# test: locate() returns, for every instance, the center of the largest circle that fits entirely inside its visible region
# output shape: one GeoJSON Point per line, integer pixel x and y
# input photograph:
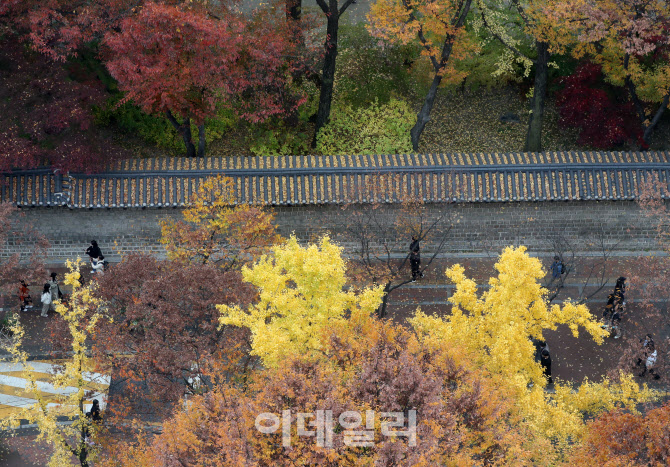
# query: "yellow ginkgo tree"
{"type": "Point", "coordinates": [301, 294]}
{"type": "Point", "coordinates": [72, 387]}
{"type": "Point", "coordinates": [217, 229]}
{"type": "Point", "coordinates": [492, 332]}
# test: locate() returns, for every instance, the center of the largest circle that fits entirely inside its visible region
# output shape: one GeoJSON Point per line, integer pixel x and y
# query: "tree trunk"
{"type": "Point", "coordinates": [657, 118]}
{"type": "Point", "coordinates": [639, 107]}
{"type": "Point", "coordinates": [201, 140]}
{"type": "Point", "coordinates": [423, 116]}
{"type": "Point", "coordinates": [534, 136]}
{"type": "Point", "coordinates": [184, 130]}
{"type": "Point", "coordinates": [83, 448]}
{"type": "Point", "coordinates": [328, 75]}
{"type": "Point", "coordinates": [381, 311]}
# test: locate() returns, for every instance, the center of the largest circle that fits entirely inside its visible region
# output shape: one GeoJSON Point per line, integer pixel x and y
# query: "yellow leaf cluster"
{"type": "Point", "coordinates": [492, 332]}
{"type": "Point", "coordinates": [300, 295]}
{"type": "Point", "coordinates": [432, 24]}
{"type": "Point", "coordinates": [81, 314]}
{"type": "Point", "coordinates": [216, 229]}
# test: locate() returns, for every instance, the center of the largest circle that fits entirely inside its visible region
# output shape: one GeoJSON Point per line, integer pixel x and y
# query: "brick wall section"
{"type": "Point", "coordinates": [494, 225]}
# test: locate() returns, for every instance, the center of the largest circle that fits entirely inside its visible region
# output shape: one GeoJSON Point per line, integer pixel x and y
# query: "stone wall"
{"type": "Point", "coordinates": [476, 226]}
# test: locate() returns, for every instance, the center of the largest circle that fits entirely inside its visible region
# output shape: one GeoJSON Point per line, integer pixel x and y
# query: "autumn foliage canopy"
{"type": "Point", "coordinates": [596, 110]}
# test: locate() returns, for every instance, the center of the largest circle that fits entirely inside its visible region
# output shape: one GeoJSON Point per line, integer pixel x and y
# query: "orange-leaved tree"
{"type": "Point", "coordinates": [618, 438]}
{"type": "Point", "coordinates": [369, 373]}
{"type": "Point", "coordinates": [630, 39]}
{"type": "Point", "coordinates": [439, 29]}
{"type": "Point", "coordinates": [218, 230]}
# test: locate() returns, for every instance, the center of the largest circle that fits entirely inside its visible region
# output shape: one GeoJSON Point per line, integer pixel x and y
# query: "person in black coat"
{"type": "Point", "coordinates": [94, 416]}
{"type": "Point", "coordinates": [94, 253]}
{"type": "Point", "coordinates": [620, 292]}
{"type": "Point", "coordinates": [415, 258]}
{"type": "Point", "coordinates": [94, 413]}
{"type": "Point", "coordinates": [540, 345]}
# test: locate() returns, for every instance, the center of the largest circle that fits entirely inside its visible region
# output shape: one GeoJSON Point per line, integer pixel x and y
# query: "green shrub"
{"type": "Point", "coordinates": [157, 131]}
{"type": "Point", "coordinates": [370, 70]}
{"type": "Point", "coordinates": [279, 140]}
{"type": "Point", "coordinates": [376, 129]}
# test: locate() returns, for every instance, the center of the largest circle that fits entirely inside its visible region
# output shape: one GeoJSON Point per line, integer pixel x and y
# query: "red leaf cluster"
{"type": "Point", "coordinates": [58, 28]}
{"type": "Point", "coordinates": [45, 115]}
{"type": "Point", "coordinates": [603, 121]}
{"type": "Point", "coordinates": [170, 58]}
{"type": "Point", "coordinates": [162, 328]}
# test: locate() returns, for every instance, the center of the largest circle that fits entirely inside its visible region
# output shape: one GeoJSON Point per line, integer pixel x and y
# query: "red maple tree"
{"type": "Point", "coordinates": [161, 339]}
{"type": "Point", "coordinates": [184, 62]}
{"type": "Point", "coordinates": [46, 115]}
{"type": "Point", "coordinates": [587, 104]}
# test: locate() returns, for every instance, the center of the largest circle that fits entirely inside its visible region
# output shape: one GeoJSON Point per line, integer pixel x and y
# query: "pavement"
{"type": "Point", "coordinates": [573, 358]}
{"type": "Point", "coordinates": [14, 397]}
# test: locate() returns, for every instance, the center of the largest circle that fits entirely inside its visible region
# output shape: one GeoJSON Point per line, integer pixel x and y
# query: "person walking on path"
{"type": "Point", "coordinates": [615, 323]}
{"type": "Point", "coordinates": [620, 292]}
{"type": "Point", "coordinates": [54, 288]}
{"type": "Point", "coordinates": [616, 302]}
{"type": "Point", "coordinates": [94, 416]}
{"type": "Point", "coordinates": [546, 365]}
{"type": "Point", "coordinates": [25, 299]}
{"type": "Point", "coordinates": [415, 258]}
{"type": "Point", "coordinates": [650, 356]}
{"type": "Point", "coordinates": [94, 253]}
{"type": "Point", "coordinates": [540, 346]}
{"type": "Point", "coordinates": [557, 268]}
{"type": "Point", "coordinates": [98, 265]}
{"type": "Point", "coordinates": [46, 300]}
{"type": "Point", "coordinates": [609, 308]}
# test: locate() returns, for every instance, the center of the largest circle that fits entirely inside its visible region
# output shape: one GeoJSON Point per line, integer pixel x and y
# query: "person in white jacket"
{"type": "Point", "coordinates": [650, 356]}
{"type": "Point", "coordinates": [46, 300]}
{"type": "Point", "coordinates": [98, 265]}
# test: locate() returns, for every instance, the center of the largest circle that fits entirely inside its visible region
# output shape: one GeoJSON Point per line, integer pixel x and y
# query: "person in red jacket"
{"type": "Point", "coordinates": [25, 299]}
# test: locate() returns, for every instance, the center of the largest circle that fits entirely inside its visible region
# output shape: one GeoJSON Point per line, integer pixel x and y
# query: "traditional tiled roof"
{"type": "Point", "coordinates": [305, 180]}
{"type": "Point", "coordinates": [385, 161]}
